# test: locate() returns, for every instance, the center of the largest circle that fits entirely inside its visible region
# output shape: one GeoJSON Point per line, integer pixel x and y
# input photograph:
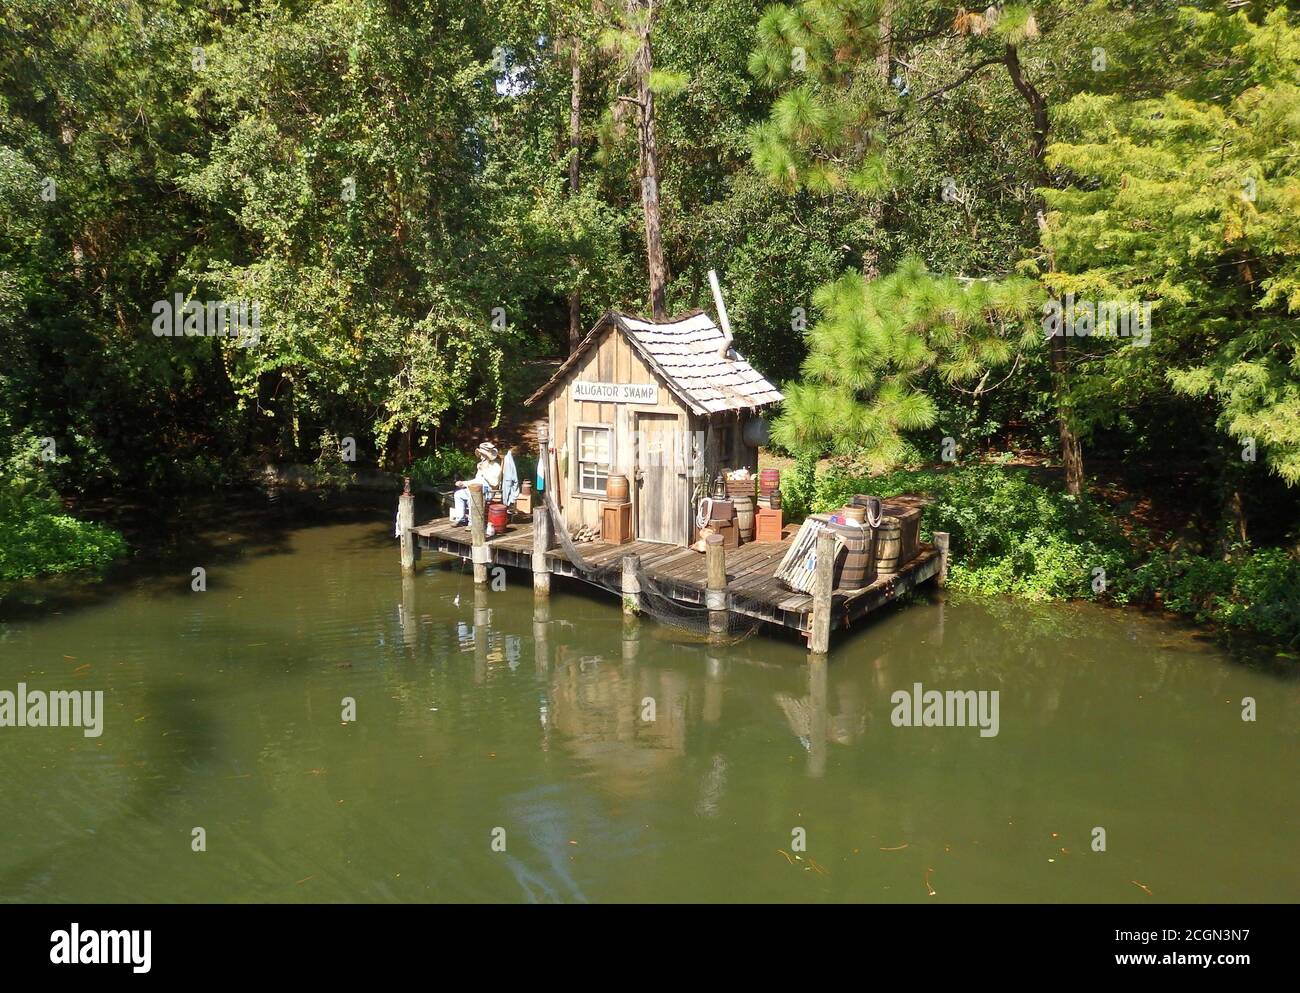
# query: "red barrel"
{"type": "Point", "coordinates": [498, 516]}
{"type": "Point", "coordinates": [768, 480]}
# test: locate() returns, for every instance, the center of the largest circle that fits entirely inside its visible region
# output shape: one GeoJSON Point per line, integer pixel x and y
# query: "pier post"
{"type": "Point", "coordinates": [410, 619]}
{"type": "Point", "coordinates": [631, 638]}
{"type": "Point", "coordinates": [478, 534]}
{"type": "Point", "coordinates": [818, 715]}
{"type": "Point", "coordinates": [542, 522]}
{"type": "Point", "coordinates": [819, 638]}
{"type": "Point", "coordinates": [714, 669]}
{"type": "Point", "coordinates": [631, 585]}
{"type": "Point", "coordinates": [482, 631]}
{"type": "Point", "coordinates": [715, 593]}
{"type": "Point", "coordinates": [941, 543]}
{"type": "Point", "coordinates": [541, 631]}
{"type": "Point", "coordinates": [405, 522]}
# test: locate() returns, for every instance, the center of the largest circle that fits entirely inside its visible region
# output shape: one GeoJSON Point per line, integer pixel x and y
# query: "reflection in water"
{"type": "Point", "coordinates": [624, 764]}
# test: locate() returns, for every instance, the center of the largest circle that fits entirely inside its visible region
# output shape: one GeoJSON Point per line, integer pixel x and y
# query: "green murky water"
{"type": "Point", "coordinates": [223, 710]}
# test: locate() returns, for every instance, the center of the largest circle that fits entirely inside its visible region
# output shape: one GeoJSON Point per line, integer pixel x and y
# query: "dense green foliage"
{"type": "Point", "coordinates": [1013, 536]}
{"type": "Point", "coordinates": [38, 538]}
{"type": "Point", "coordinates": [1010, 534]}
{"type": "Point", "coordinates": [894, 192]}
{"type": "Point", "coordinates": [443, 466]}
{"type": "Point", "coordinates": [1257, 592]}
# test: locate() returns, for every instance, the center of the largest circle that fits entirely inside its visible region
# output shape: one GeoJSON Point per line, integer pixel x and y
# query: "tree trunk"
{"type": "Point", "coordinates": [575, 152]}
{"type": "Point", "coordinates": [657, 267]}
{"type": "Point", "coordinates": [885, 66]}
{"type": "Point", "coordinates": [1058, 350]}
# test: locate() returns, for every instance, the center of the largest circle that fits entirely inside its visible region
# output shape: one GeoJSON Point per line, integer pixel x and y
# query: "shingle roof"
{"type": "Point", "coordinates": [685, 352]}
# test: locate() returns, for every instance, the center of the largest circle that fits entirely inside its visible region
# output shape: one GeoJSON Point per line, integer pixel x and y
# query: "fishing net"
{"type": "Point", "coordinates": [728, 627]}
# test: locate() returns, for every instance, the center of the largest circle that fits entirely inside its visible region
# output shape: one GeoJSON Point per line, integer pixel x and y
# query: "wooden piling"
{"type": "Point", "coordinates": [715, 592]}
{"type": "Point", "coordinates": [482, 629]}
{"type": "Point", "coordinates": [542, 524]}
{"type": "Point", "coordinates": [819, 638]}
{"type": "Point", "coordinates": [819, 718]}
{"type": "Point", "coordinates": [410, 619]}
{"type": "Point", "coordinates": [941, 544]}
{"type": "Point", "coordinates": [479, 551]}
{"type": "Point", "coordinates": [631, 585]}
{"type": "Point", "coordinates": [631, 638]}
{"type": "Point", "coordinates": [541, 630]}
{"type": "Point", "coordinates": [405, 522]}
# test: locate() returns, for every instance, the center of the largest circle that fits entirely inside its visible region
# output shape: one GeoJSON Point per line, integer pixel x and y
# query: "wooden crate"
{"type": "Point", "coordinates": [768, 525]}
{"type": "Point", "coordinates": [728, 529]}
{"type": "Point", "coordinates": [616, 523]}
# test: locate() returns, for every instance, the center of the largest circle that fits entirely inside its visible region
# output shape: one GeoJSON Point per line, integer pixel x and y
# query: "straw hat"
{"type": "Point", "coordinates": [487, 450]}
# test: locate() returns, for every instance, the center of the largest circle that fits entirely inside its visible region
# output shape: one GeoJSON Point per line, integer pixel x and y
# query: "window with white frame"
{"type": "Point", "coordinates": [593, 458]}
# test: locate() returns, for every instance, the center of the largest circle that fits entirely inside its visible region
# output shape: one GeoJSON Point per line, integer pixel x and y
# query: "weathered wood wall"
{"type": "Point", "coordinates": [612, 361]}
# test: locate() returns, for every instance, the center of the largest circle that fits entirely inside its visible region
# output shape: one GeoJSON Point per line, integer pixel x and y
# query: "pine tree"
{"type": "Point", "coordinates": [878, 338]}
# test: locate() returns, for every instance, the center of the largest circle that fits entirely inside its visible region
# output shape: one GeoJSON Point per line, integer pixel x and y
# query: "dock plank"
{"type": "Point", "coordinates": [679, 572]}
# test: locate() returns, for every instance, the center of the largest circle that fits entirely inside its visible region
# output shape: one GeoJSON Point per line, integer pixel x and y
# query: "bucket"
{"type": "Point", "coordinates": [744, 517]}
{"type": "Point", "coordinates": [855, 514]}
{"type": "Point", "coordinates": [498, 516]}
{"type": "Point", "coordinates": [768, 480]}
{"type": "Point", "coordinates": [616, 488]}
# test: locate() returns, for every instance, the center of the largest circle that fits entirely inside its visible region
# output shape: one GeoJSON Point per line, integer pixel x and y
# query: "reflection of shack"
{"type": "Point", "coordinates": [598, 708]}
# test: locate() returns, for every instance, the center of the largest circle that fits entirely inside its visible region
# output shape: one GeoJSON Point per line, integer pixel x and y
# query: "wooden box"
{"type": "Point", "coordinates": [767, 525]}
{"type": "Point", "coordinates": [728, 529]}
{"type": "Point", "coordinates": [616, 523]}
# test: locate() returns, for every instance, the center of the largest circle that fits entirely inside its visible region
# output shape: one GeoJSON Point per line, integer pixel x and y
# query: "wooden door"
{"type": "Point", "coordinates": [658, 514]}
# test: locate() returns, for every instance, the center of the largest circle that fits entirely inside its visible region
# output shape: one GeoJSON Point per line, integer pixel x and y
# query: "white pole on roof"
{"type": "Point", "coordinates": [722, 312]}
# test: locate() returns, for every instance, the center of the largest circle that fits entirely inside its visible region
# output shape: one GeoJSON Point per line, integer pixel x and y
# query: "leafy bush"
{"type": "Point", "coordinates": [443, 466]}
{"type": "Point", "coordinates": [1257, 590]}
{"type": "Point", "coordinates": [799, 488]}
{"type": "Point", "coordinates": [38, 538]}
{"type": "Point", "coordinates": [1012, 536]}
{"type": "Point", "coordinates": [1009, 535]}
{"type": "Point", "coordinates": [329, 469]}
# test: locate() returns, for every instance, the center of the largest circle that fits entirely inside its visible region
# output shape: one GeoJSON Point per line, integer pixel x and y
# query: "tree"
{"type": "Point", "coordinates": [878, 337]}
{"type": "Point", "coordinates": [628, 40]}
{"type": "Point", "coordinates": [1186, 199]}
{"type": "Point", "coordinates": [833, 122]}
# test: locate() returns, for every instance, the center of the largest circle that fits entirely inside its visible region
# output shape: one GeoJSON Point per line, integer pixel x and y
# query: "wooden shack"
{"type": "Point", "coordinates": [665, 403]}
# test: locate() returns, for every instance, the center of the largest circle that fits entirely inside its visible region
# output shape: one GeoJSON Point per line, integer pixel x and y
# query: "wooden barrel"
{"type": "Point", "coordinates": [616, 488]}
{"type": "Point", "coordinates": [859, 566]}
{"type": "Point", "coordinates": [768, 480]}
{"type": "Point", "coordinates": [498, 516]}
{"type": "Point", "coordinates": [909, 521]}
{"type": "Point", "coordinates": [889, 545]}
{"type": "Point", "coordinates": [744, 516]}
{"type": "Point", "coordinates": [852, 513]}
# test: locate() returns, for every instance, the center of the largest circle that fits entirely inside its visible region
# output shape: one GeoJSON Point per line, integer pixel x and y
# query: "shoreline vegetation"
{"type": "Point", "coordinates": [945, 234]}
{"type": "Point", "coordinates": [1011, 536]}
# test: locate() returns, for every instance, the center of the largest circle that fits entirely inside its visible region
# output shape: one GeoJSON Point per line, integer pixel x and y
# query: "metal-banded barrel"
{"type": "Point", "coordinates": [744, 517]}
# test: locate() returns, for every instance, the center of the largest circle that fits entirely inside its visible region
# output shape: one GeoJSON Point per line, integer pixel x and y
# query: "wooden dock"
{"type": "Point", "coordinates": [681, 574]}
